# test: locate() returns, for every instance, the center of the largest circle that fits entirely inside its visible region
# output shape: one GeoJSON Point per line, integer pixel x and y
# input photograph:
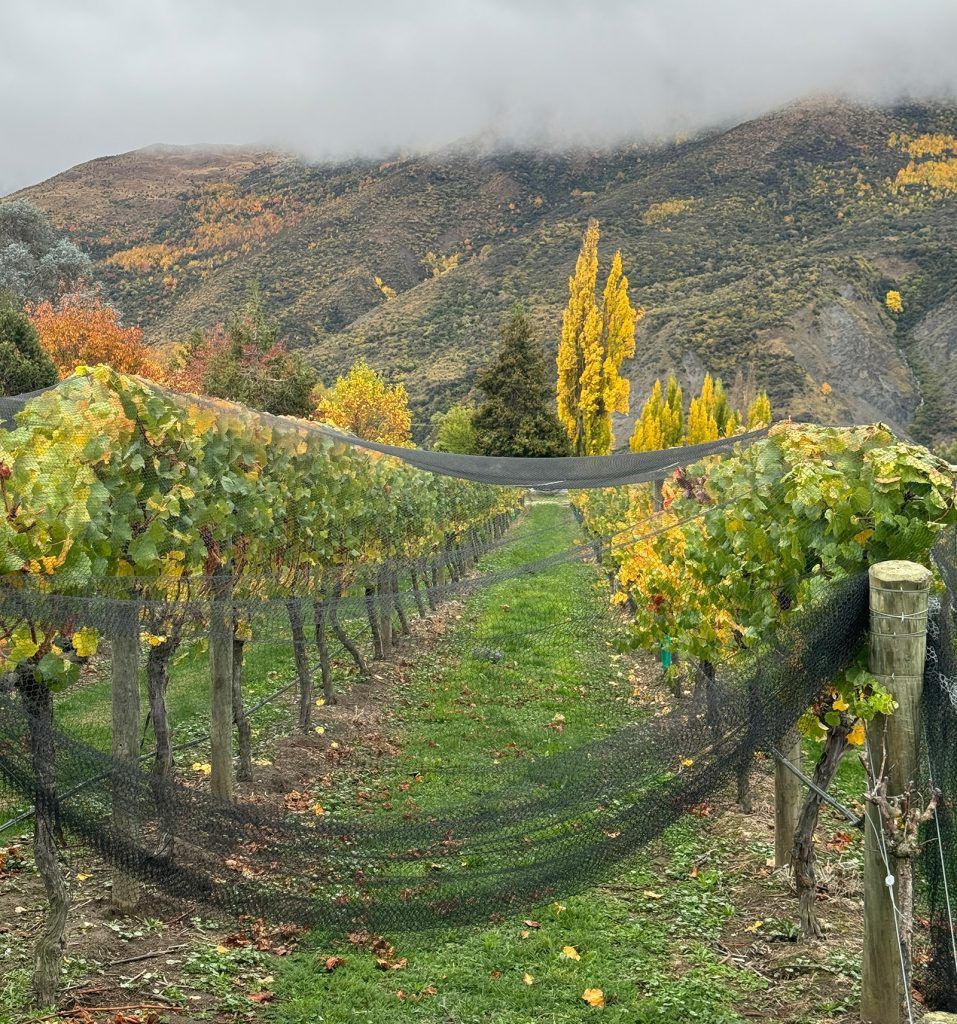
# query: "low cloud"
{"type": "Point", "coordinates": [332, 79]}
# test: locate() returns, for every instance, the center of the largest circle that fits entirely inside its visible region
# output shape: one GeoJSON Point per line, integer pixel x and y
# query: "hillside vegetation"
{"type": "Point", "coordinates": [762, 253]}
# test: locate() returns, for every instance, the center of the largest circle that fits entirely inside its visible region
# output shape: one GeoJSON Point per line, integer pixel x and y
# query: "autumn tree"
{"type": "Point", "coordinates": [35, 262]}
{"type": "Point", "coordinates": [363, 404]}
{"type": "Point", "coordinates": [710, 416]}
{"type": "Point", "coordinates": [515, 418]}
{"type": "Point", "coordinates": [661, 423]}
{"type": "Point", "coordinates": [246, 361]}
{"type": "Point", "coordinates": [702, 414]}
{"type": "Point", "coordinates": [82, 330]}
{"type": "Point", "coordinates": [759, 412]}
{"type": "Point", "coordinates": [595, 340]}
{"type": "Point", "coordinates": [455, 430]}
{"type": "Point", "coordinates": [24, 366]}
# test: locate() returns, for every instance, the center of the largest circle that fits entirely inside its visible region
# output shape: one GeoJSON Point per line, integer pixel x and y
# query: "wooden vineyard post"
{"type": "Point", "coordinates": [126, 743]}
{"type": "Point", "coordinates": [787, 799]}
{"type": "Point", "coordinates": [898, 602]}
{"type": "Point", "coordinates": [221, 691]}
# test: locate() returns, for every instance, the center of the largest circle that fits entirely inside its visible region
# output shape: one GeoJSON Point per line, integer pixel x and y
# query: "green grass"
{"type": "Point", "coordinates": [85, 710]}
{"type": "Point", "coordinates": [642, 938]}
{"type": "Point", "coordinates": [645, 938]}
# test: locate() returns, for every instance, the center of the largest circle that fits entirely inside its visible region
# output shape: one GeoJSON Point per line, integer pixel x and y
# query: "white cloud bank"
{"type": "Point", "coordinates": [79, 80]}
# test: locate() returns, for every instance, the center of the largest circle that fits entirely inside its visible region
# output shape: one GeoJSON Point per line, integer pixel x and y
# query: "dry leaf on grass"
{"type": "Point", "coordinates": [594, 997]}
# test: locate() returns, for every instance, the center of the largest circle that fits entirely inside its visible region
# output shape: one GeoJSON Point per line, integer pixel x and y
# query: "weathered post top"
{"type": "Point", "coordinates": [899, 592]}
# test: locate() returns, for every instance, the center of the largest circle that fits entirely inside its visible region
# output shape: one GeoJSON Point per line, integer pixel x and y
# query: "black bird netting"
{"type": "Point", "coordinates": [159, 546]}
{"type": "Point", "coordinates": [520, 835]}
{"type": "Point", "coordinates": [939, 840]}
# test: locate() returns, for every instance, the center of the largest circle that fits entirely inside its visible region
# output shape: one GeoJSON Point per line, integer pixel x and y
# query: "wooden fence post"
{"type": "Point", "coordinates": [898, 601]}
{"type": "Point", "coordinates": [221, 690]}
{"type": "Point", "coordinates": [787, 799]}
{"type": "Point", "coordinates": [125, 650]}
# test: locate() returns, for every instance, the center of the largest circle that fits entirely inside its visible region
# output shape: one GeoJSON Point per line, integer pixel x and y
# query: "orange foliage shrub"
{"type": "Point", "coordinates": [83, 330]}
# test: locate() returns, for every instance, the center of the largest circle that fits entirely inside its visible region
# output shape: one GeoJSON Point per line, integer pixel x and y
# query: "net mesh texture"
{"type": "Point", "coordinates": [288, 556]}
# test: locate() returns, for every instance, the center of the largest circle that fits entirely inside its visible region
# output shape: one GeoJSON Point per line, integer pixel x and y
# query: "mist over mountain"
{"type": "Point", "coordinates": [333, 80]}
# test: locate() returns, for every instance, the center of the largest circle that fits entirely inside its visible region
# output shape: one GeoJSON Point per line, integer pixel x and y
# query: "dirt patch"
{"type": "Point", "coordinates": [155, 967]}
{"type": "Point", "coordinates": [798, 981]}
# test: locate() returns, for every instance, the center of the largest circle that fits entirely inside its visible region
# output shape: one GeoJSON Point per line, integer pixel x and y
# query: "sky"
{"type": "Point", "coordinates": [336, 78]}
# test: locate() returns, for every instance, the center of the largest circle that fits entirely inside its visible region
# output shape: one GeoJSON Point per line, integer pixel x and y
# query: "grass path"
{"type": "Point", "coordinates": [642, 939]}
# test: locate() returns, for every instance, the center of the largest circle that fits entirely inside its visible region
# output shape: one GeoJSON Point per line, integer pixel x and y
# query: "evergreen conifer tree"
{"type": "Point", "coordinates": [515, 418]}
{"type": "Point", "coordinates": [24, 366]}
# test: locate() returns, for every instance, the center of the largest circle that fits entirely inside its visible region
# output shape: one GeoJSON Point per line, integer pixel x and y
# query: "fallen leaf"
{"type": "Point", "coordinates": [391, 965]}
{"type": "Point", "coordinates": [222, 949]}
{"type": "Point", "coordinates": [754, 927]}
{"type": "Point", "coordinates": [524, 934]}
{"type": "Point", "coordinates": [332, 962]}
{"type": "Point", "coordinates": [535, 924]}
{"type": "Point", "coordinates": [594, 997]}
{"type": "Point", "coordinates": [527, 979]}
{"type": "Point", "coordinates": [82, 877]}
{"type": "Point", "coordinates": [839, 842]}
{"type": "Point", "coordinates": [650, 894]}
{"type": "Point", "coordinates": [570, 953]}
{"type": "Point", "coordinates": [261, 997]}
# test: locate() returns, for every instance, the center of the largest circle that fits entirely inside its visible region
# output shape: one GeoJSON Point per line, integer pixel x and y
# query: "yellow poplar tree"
{"type": "Point", "coordinates": [702, 424]}
{"type": "Point", "coordinates": [721, 410]}
{"type": "Point", "coordinates": [595, 340]}
{"type": "Point", "coordinates": [578, 326]}
{"type": "Point", "coordinates": [759, 412]}
{"type": "Point", "coordinates": [619, 319]}
{"type": "Point", "coordinates": [674, 416]}
{"type": "Point", "coordinates": [649, 434]}
{"type": "Point", "coordinates": [711, 415]}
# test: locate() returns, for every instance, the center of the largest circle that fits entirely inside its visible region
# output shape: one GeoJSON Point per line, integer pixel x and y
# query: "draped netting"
{"type": "Point", "coordinates": [145, 524]}
{"type": "Point", "coordinates": [524, 834]}
{"type": "Point", "coordinates": [938, 865]}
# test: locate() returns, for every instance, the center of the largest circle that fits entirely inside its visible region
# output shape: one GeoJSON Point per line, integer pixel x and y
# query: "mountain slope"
{"type": "Point", "coordinates": [762, 253]}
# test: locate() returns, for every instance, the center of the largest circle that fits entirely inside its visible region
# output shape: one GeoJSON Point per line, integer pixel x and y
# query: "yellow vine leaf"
{"type": "Point", "coordinates": [85, 642]}
{"type": "Point", "coordinates": [594, 997]}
